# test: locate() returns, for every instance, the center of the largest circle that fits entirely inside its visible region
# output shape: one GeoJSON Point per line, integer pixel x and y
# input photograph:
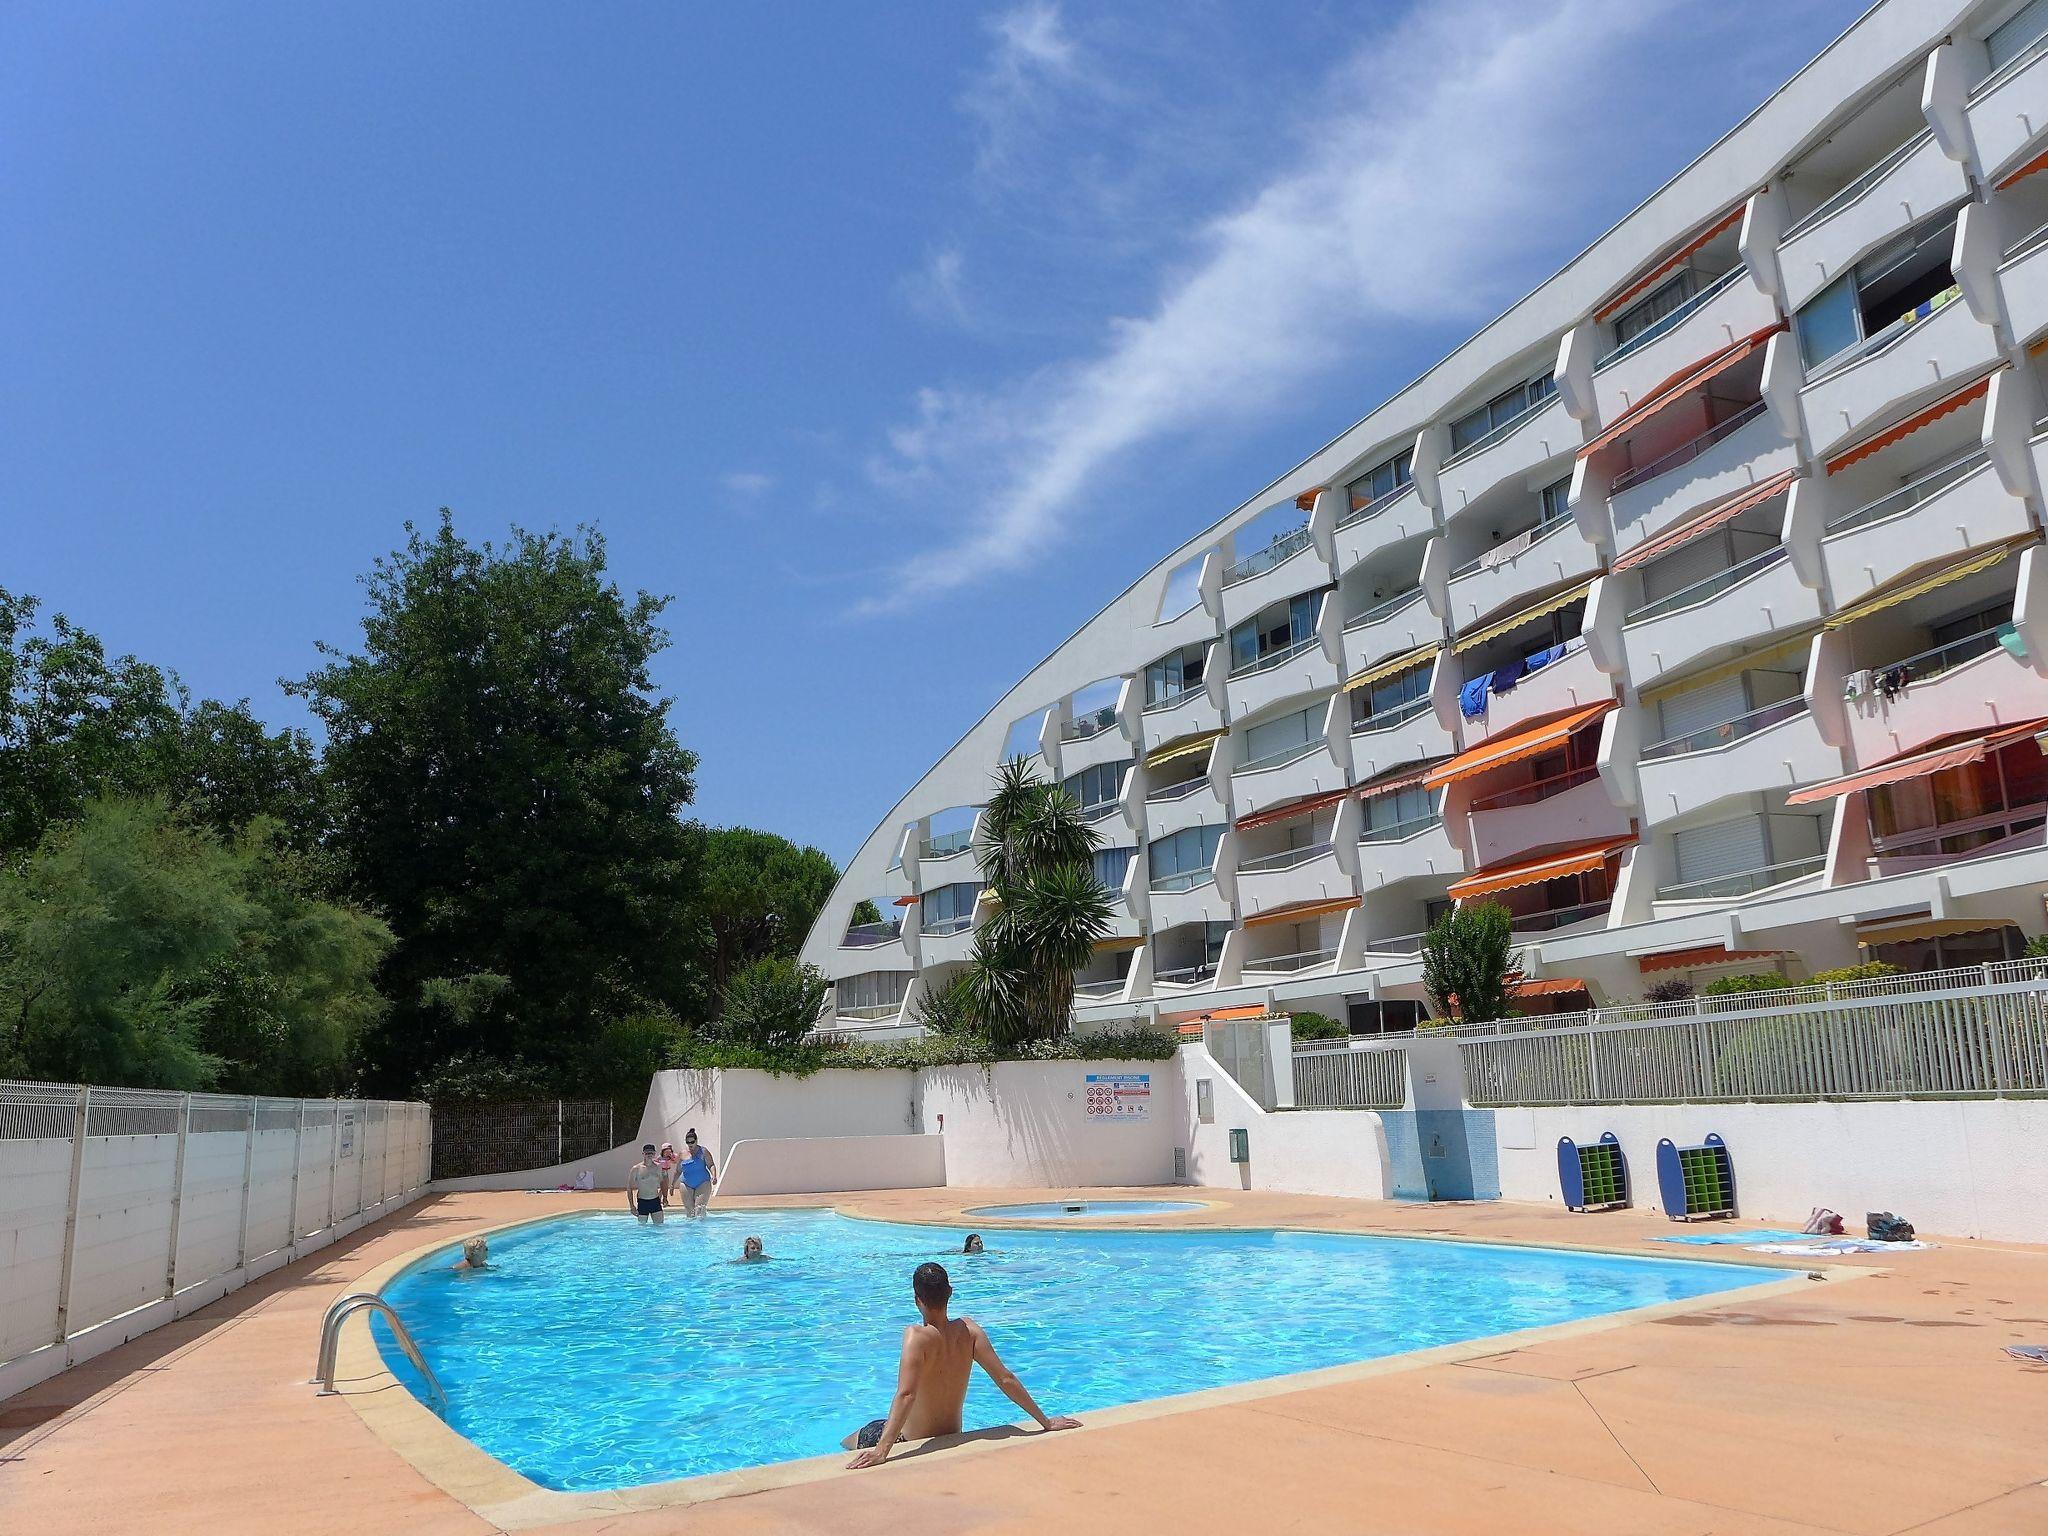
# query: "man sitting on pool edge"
{"type": "Point", "coordinates": [939, 1354]}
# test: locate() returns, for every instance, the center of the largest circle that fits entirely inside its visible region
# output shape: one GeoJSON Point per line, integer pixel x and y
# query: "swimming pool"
{"type": "Point", "coordinates": [597, 1353]}
{"type": "Point", "coordinates": [1042, 1210]}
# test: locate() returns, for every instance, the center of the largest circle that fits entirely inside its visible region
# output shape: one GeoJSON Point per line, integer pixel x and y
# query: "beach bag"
{"type": "Point", "coordinates": [1887, 1228]}
{"type": "Point", "coordinates": [1824, 1222]}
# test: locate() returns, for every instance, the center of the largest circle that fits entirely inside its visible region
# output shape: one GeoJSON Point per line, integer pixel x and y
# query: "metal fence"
{"type": "Point", "coordinates": [1351, 1077]}
{"type": "Point", "coordinates": [120, 1199]}
{"type": "Point", "coordinates": [1980, 1032]}
{"type": "Point", "coordinates": [513, 1135]}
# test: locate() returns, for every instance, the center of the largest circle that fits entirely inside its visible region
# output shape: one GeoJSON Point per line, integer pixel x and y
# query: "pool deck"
{"type": "Point", "coordinates": [1880, 1403]}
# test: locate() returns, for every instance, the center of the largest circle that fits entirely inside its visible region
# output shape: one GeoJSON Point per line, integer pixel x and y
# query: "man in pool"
{"type": "Point", "coordinates": [939, 1353]}
{"type": "Point", "coordinates": [644, 1186]}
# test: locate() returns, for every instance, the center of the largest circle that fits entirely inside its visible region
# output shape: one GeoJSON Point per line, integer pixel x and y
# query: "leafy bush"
{"type": "Point", "coordinates": [2037, 947]}
{"type": "Point", "coordinates": [771, 1004]}
{"type": "Point", "coordinates": [809, 1056]}
{"type": "Point", "coordinates": [1316, 1026]}
{"type": "Point", "coordinates": [1754, 981]}
{"type": "Point", "coordinates": [948, 1010]}
{"type": "Point", "coordinates": [1870, 970]}
{"type": "Point", "coordinates": [1676, 990]}
{"type": "Point", "coordinates": [484, 1077]}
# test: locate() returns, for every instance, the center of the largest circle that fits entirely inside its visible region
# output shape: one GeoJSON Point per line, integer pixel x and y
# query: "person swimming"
{"type": "Point", "coordinates": [939, 1354]}
{"type": "Point", "coordinates": [475, 1255]}
{"type": "Point", "coordinates": [750, 1252]}
{"type": "Point", "coordinates": [644, 1186]}
{"type": "Point", "coordinates": [973, 1244]}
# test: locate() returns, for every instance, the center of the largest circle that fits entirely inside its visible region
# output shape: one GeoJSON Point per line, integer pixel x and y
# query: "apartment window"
{"type": "Point", "coordinates": [1381, 480]}
{"type": "Point", "coordinates": [1280, 631]}
{"type": "Point", "coordinates": [1385, 1017]}
{"type": "Point", "coordinates": [870, 989]}
{"type": "Point", "coordinates": [1274, 739]}
{"type": "Point", "coordinates": [1967, 626]}
{"type": "Point", "coordinates": [1639, 317]}
{"type": "Point", "coordinates": [1171, 676]}
{"type": "Point", "coordinates": [1557, 501]}
{"type": "Point", "coordinates": [1402, 811]}
{"type": "Point", "coordinates": [1500, 410]}
{"type": "Point", "coordinates": [1390, 693]}
{"type": "Point", "coordinates": [2008, 781]}
{"type": "Point", "coordinates": [1097, 786]}
{"type": "Point", "coordinates": [2016, 34]}
{"type": "Point", "coordinates": [1188, 851]}
{"type": "Point", "coordinates": [1907, 277]}
{"type": "Point", "coordinates": [1111, 865]}
{"type": "Point", "coordinates": [949, 908]}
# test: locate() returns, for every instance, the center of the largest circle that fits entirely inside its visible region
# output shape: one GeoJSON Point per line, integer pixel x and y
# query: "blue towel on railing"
{"type": "Point", "coordinates": [1472, 697]}
{"type": "Point", "coordinates": [1507, 675]}
{"type": "Point", "coordinates": [1541, 659]}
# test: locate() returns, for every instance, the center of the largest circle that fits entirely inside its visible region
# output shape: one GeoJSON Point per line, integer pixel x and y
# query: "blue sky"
{"type": "Point", "coordinates": [891, 339]}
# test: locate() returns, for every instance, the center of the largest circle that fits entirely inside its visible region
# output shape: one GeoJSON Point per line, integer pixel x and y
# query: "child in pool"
{"type": "Point", "coordinates": [475, 1255]}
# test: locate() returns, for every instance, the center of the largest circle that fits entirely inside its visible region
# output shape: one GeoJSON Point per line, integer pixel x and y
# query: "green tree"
{"type": "Point", "coordinates": [772, 1003]}
{"type": "Point", "coordinates": [1036, 854]}
{"type": "Point", "coordinates": [510, 797]}
{"type": "Point", "coordinates": [1469, 967]}
{"type": "Point", "coordinates": [1307, 1025]}
{"type": "Point", "coordinates": [760, 894]}
{"type": "Point", "coordinates": [864, 912]}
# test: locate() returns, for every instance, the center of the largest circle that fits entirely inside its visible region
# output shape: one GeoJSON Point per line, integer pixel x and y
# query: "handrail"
{"type": "Point", "coordinates": [1304, 960]}
{"type": "Point", "coordinates": [1387, 719]}
{"type": "Point", "coordinates": [1281, 758]}
{"type": "Point", "coordinates": [1664, 324]}
{"type": "Point", "coordinates": [1536, 790]}
{"type": "Point", "coordinates": [1094, 723]}
{"type": "Point", "coordinates": [1401, 831]}
{"type": "Point", "coordinates": [867, 1012]}
{"type": "Point", "coordinates": [1499, 433]}
{"type": "Point", "coordinates": [1912, 494]}
{"type": "Point", "coordinates": [1708, 737]}
{"type": "Point", "coordinates": [1743, 882]}
{"type": "Point", "coordinates": [1884, 338]}
{"type": "Point", "coordinates": [1712, 586]}
{"type": "Point", "coordinates": [1396, 943]}
{"type": "Point", "coordinates": [2012, 66]}
{"type": "Point", "coordinates": [1180, 789]}
{"type": "Point", "coordinates": [1171, 699]}
{"type": "Point", "coordinates": [1558, 917]}
{"type": "Point", "coordinates": [1538, 531]}
{"type": "Point", "coordinates": [1855, 189]}
{"type": "Point", "coordinates": [945, 847]}
{"type": "Point", "coordinates": [1384, 609]}
{"type": "Point", "coordinates": [1107, 988]}
{"type": "Point", "coordinates": [1272, 659]}
{"type": "Point", "coordinates": [1687, 451]}
{"type": "Point", "coordinates": [1183, 880]}
{"type": "Point", "coordinates": [1283, 548]}
{"type": "Point", "coordinates": [2026, 245]}
{"type": "Point", "coordinates": [1102, 808]}
{"type": "Point", "coordinates": [868, 935]}
{"type": "Point", "coordinates": [1186, 973]}
{"type": "Point", "coordinates": [1286, 858]}
{"type": "Point", "coordinates": [2009, 822]}
{"type": "Point", "coordinates": [946, 927]}
{"type": "Point", "coordinates": [330, 1339]}
{"type": "Point", "coordinates": [1376, 506]}
{"type": "Point", "coordinates": [1944, 662]}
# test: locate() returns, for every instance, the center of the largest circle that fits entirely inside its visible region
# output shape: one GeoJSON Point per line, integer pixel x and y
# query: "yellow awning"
{"type": "Point", "coordinates": [1112, 946]}
{"type": "Point", "coordinates": [1749, 661]}
{"type": "Point", "coordinates": [1501, 627]}
{"type": "Point", "coordinates": [1880, 601]}
{"type": "Point", "coordinates": [1905, 930]}
{"type": "Point", "coordinates": [1388, 668]}
{"type": "Point", "coordinates": [1182, 749]}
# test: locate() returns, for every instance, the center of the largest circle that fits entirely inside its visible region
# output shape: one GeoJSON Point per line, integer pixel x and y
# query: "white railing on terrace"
{"type": "Point", "coordinates": [1376, 506]}
{"type": "Point", "coordinates": [1286, 858]}
{"type": "Point", "coordinates": [1686, 452]}
{"type": "Point", "coordinates": [1538, 789]}
{"type": "Point", "coordinates": [1186, 975]}
{"type": "Point", "coordinates": [1386, 609]}
{"type": "Point", "coordinates": [1910, 496]}
{"type": "Point", "coordinates": [1858, 187]}
{"type": "Point", "coordinates": [948, 844]}
{"type": "Point", "coordinates": [1665, 324]}
{"type": "Point", "coordinates": [1881, 339]}
{"type": "Point", "coordinates": [947, 926]}
{"type": "Point", "coordinates": [1400, 831]}
{"type": "Point", "coordinates": [1178, 791]}
{"type": "Point", "coordinates": [1273, 659]}
{"type": "Point", "coordinates": [1396, 943]}
{"type": "Point", "coordinates": [1185, 880]}
{"type": "Point", "coordinates": [1336, 1074]}
{"type": "Point", "coordinates": [1260, 561]}
{"type": "Point", "coordinates": [1387, 719]}
{"type": "Point", "coordinates": [1559, 917]}
{"type": "Point", "coordinates": [1926, 666]}
{"type": "Point", "coordinates": [1496, 434]}
{"type": "Point", "coordinates": [868, 935]}
{"type": "Point", "coordinates": [1709, 737]}
{"type": "Point", "coordinates": [1980, 1031]}
{"type": "Point", "coordinates": [1538, 533]}
{"type": "Point", "coordinates": [1710, 587]}
{"type": "Point", "coordinates": [1301, 960]}
{"type": "Point", "coordinates": [1282, 757]}
{"type": "Point", "coordinates": [1744, 882]}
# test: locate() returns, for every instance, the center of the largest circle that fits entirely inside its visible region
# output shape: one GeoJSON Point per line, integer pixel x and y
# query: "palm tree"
{"type": "Point", "coordinates": [1469, 967]}
{"type": "Point", "coordinates": [1036, 856]}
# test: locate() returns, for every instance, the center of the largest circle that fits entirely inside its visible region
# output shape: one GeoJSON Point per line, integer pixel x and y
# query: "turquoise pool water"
{"type": "Point", "coordinates": [598, 1353]}
{"type": "Point", "coordinates": [1066, 1209]}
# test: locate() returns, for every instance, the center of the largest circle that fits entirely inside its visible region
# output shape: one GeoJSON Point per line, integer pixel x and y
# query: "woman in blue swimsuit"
{"type": "Point", "coordinates": [696, 1173]}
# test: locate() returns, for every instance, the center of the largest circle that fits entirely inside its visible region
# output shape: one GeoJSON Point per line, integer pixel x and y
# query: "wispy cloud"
{"type": "Point", "coordinates": [1442, 151]}
{"type": "Point", "coordinates": [938, 290]}
{"type": "Point", "coordinates": [1033, 56]}
{"type": "Point", "coordinates": [747, 484]}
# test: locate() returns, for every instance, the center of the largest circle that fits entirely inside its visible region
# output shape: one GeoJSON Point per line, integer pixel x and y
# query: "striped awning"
{"type": "Point", "coordinates": [1549, 986]}
{"type": "Point", "coordinates": [1701, 955]}
{"type": "Point", "coordinates": [1748, 661]}
{"type": "Point", "coordinates": [1677, 538]}
{"type": "Point", "coordinates": [1529, 741]}
{"type": "Point", "coordinates": [1515, 621]}
{"type": "Point", "coordinates": [1301, 911]}
{"type": "Point", "coordinates": [1918, 765]}
{"type": "Point", "coordinates": [1578, 860]}
{"type": "Point", "coordinates": [1678, 386]}
{"type": "Point", "coordinates": [1912, 424]}
{"type": "Point", "coordinates": [1301, 807]}
{"type": "Point", "coordinates": [1181, 749]}
{"type": "Point", "coordinates": [1396, 779]}
{"type": "Point", "coordinates": [1921, 585]}
{"type": "Point", "coordinates": [1306, 501]}
{"type": "Point", "coordinates": [1391, 667]}
{"type": "Point", "coordinates": [1905, 930]}
{"type": "Point", "coordinates": [1649, 278]}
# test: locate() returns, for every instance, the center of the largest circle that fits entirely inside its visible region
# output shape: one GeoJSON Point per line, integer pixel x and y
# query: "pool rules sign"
{"type": "Point", "coordinates": [1119, 1095]}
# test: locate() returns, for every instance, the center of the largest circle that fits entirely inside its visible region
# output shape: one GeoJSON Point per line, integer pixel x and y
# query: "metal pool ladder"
{"type": "Point", "coordinates": [330, 1336]}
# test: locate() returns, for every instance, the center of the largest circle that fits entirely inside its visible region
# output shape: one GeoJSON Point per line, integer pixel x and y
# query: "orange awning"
{"type": "Point", "coordinates": [1512, 748]}
{"type": "Point", "coordinates": [1710, 954]}
{"type": "Point", "coordinates": [1685, 533]}
{"type": "Point", "coordinates": [1550, 986]}
{"type": "Point", "coordinates": [1300, 911]}
{"type": "Point", "coordinates": [2038, 163]}
{"type": "Point", "coordinates": [1678, 386]}
{"type": "Point", "coordinates": [1578, 860]}
{"type": "Point", "coordinates": [905, 901]}
{"type": "Point", "coordinates": [1911, 424]}
{"type": "Point", "coordinates": [1959, 754]}
{"type": "Point", "coordinates": [1396, 779]}
{"type": "Point", "coordinates": [1191, 1024]}
{"type": "Point", "coordinates": [1621, 300]}
{"type": "Point", "coordinates": [1301, 807]}
{"type": "Point", "coordinates": [1306, 501]}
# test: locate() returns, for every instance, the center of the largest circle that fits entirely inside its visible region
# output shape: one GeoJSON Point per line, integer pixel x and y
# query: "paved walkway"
{"type": "Point", "coordinates": [1881, 1404]}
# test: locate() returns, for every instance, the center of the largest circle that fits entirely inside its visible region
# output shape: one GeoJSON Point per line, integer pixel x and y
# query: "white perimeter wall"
{"type": "Point", "coordinates": [1023, 1124]}
{"type": "Point", "coordinates": [812, 1165]}
{"type": "Point", "coordinates": [1966, 1168]}
{"type": "Point", "coordinates": [1299, 1151]}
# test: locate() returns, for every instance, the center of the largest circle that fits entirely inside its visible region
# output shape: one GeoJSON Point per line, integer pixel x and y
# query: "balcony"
{"type": "Point", "coordinates": [1971, 684]}
{"type": "Point", "coordinates": [1094, 723]}
{"type": "Point", "coordinates": [1401, 623]}
{"type": "Point", "coordinates": [1908, 185]}
{"type": "Point", "coordinates": [1777, 747]}
{"type": "Point", "coordinates": [1407, 733]}
{"type": "Point", "coordinates": [870, 935]}
{"type": "Point", "coordinates": [1391, 519]}
{"type": "Point", "coordinates": [1720, 314]}
{"type": "Point", "coordinates": [1307, 769]}
{"type": "Point", "coordinates": [1586, 914]}
{"type": "Point", "coordinates": [1285, 568]}
{"type": "Point", "coordinates": [1186, 978]}
{"type": "Point", "coordinates": [1396, 946]}
{"type": "Point", "coordinates": [1414, 849]}
{"type": "Point", "coordinates": [2023, 278]}
{"type": "Point", "coordinates": [1752, 599]}
{"type": "Point", "coordinates": [1511, 450]}
{"type": "Point", "coordinates": [1110, 989]}
{"type": "Point", "coordinates": [2006, 110]}
{"type": "Point", "coordinates": [1556, 553]}
{"type": "Point", "coordinates": [1931, 350]}
{"type": "Point", "coordinates": [1192, 896]}
{"type": "Point", "coordinates": [1570, 682]}
{"type": "Point", "coordinates": [1312, 873]}
{"type": "Point", "coordinates": [1946, 843]}
{"type": "Point", "coordinates": [1196, 807]}
{"type": "Point", "coordinates": [1958, 507]}
{"type": "Point", "coordinates": [1745, 883]}
{"type": "Point", "coordinates": [1744, 451]}
{"type": "Point", "coordinates": [1297, 964]}
{"type": "Point", "coordinates": [1572, 807]}
{"type": "Point", "coordinates": [1191, 712]}
{"type": "Point", "coordinates": [1301, 668]}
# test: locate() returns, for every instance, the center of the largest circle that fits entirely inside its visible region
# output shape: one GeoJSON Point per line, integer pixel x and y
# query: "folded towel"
{"type": "Point", "coordinates": [1472, 697]}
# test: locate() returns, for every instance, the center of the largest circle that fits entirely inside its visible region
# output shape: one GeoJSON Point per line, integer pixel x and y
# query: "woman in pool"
{"type": "Point", "coordinates": [475, 1255]}
{"type": "Point", "coordinates": [751, 1252]}
{"type": "Point", "coordinates": [973, 1244]}
{"type": "Point", "coordinates": [697, 1171]}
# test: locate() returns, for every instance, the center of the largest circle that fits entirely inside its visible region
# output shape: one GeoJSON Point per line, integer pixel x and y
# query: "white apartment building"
{"type": "Point", "coordinates": [1696, 609]}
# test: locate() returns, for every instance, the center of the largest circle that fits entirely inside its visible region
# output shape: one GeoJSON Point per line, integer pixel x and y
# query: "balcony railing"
{"type": "Point", "coordinates": [1396, 943]}
{"type": "Point", "coordinates": [1539, 789]}
{"type": "Point", "coordinates": [1387, 719]}
{"type": "Point", "coordinates": [1946, 840]}
{"type": "Point", "coordinates": [1282, 757]}
{"type": "Point", "coordinates": [1858, 187]}
{"type": "Point", "coordinates": [1386, 609]}
{"type": "Point", "coordinates": [1712, 736]}
{"type": "Point", "coordinates": [947, 844]}
{"type": "Point", "coordinates": [1713, 586]}
{"type": "Point", "coordinates": [1184, 880]}
{"type": "Point", "coordinates": [1186, 975]}
{"type": "Point", "coordinates": [1664, 324]}
{"type": "Point", "coordinates": [1094, 723]}
{"type": "Point", "coordinates": [1401, 831]}
{"type": "Point", "coordinates": [2026, 245]}
{"type": "Point", "coordinates": [869, 1011]}
{"type": "Point", "coordinates": [868, 935]}
{"type": "Point", "coordinates": [1926, 666]}
{"type": "Point", "coordinates": [1100, 989]}
{"type": "Point", "coordinates": [1910, 496]}
{"type": "Point", "coordinates": [1272, 659]}
{"type": "Point", "coordinates": [1878, 340]}
{"type": "Point", "coordinates": [1537, 534]}
{"type": "Point", "coordinates": [1179, 791]}
{"type": "Point", "coordinates": [1506, 428]}
{"type": "Point", "coordinates": [1727, 887]}
{"type": "Point", "coordinates": [1286, 858]}
{"type": "Point", "coordinates": [1376, 506]}
{"type": "Point", "coordinates": [1560, 917]}
{"type": "Point", "coordinates": [1179, 695]}
{"type": "Point", "coordinates": [1306, 960]}
{"type": "Point", "coordinates": [947, 926]}
{"type": "Point", "coordinates": [1685, 453]}
{"type": "Point", "coordinates": [1260, 561]}
{"type": "Point", "coordinates": [1101, 809]}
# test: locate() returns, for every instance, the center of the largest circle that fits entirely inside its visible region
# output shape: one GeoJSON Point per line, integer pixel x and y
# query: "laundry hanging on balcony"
{"type": "Point", "coordinates": [1918, 765]}
{"type": "Point", "coordinates": [1515, 621]}
{"type": "Point", "coordinates": [1677, 258]}
{"type": "Point", "coordinates": [1529, 741]}
{"type": "Point", "coordinates": [1579, 860]}
{"type": "Point", "coordinates": [1677, 538]}
{"type": "Point", "coordinates": [1678, 386]}
{"type": "Point", "coordinates": [1919, 586]}
{"type": "Point", "coordinates": [1913, 423]}
{"type": "Point", "coordinates": [1183, 749]}
{"type": "Point", "coordinates": [1391, 667]}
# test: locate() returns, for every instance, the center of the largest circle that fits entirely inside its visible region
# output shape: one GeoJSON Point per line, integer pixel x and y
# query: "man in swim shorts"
{"type": "Point", "coordinates": [939, 1353]}
{"type": "Point", "coordinates": [644, 1186]}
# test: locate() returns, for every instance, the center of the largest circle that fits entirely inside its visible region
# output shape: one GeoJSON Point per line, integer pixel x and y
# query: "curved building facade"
{"type": "Point", "coordinates": [1695, 609]}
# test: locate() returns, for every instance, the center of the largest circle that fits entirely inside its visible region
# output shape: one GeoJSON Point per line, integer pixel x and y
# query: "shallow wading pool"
{"type": "Point", "coordinates": [1070, 1210]}
{"type": "Point", "coordinates": [597, 1353]}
